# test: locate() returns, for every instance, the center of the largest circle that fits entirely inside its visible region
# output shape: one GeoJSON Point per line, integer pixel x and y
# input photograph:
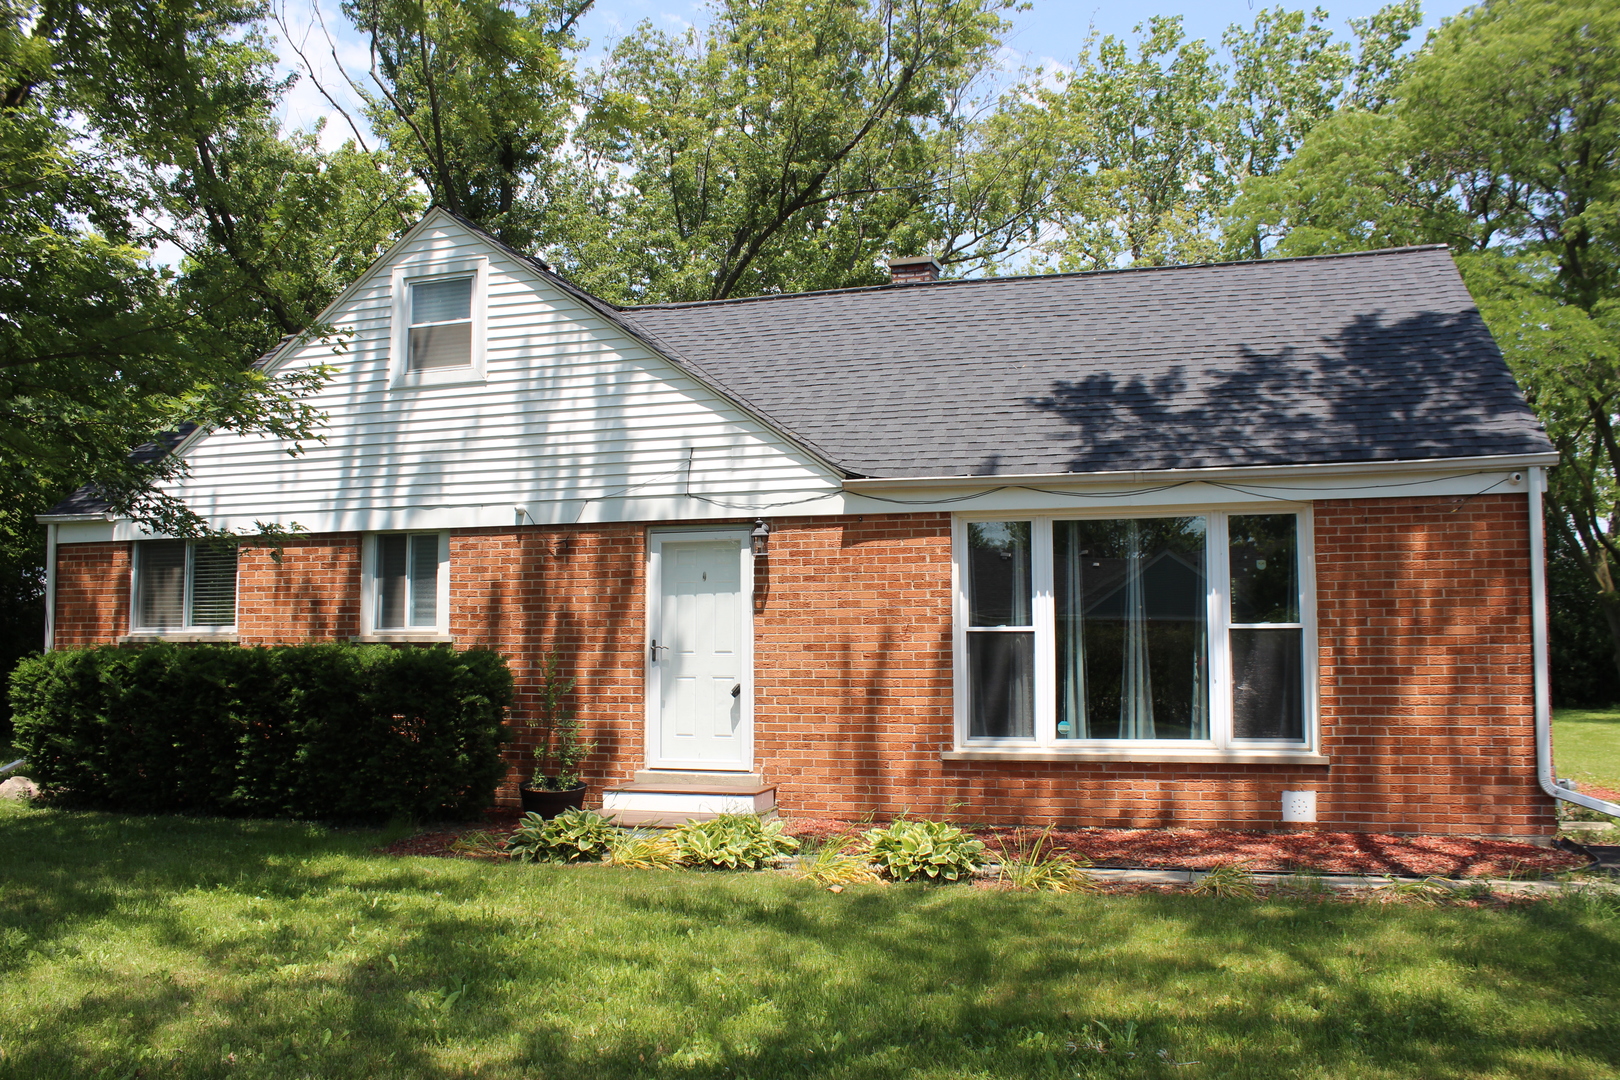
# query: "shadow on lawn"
{"type": "Point", "coordinates": [589, 972]}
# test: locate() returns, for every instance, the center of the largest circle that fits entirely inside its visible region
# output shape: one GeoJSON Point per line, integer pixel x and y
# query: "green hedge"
{"type": "Point", "coordinates": [301, 731]}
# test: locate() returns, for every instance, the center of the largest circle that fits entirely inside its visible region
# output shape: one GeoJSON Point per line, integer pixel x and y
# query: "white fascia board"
{"type": "Point", "coordinates": [85, 530]}
{"type": "Point", "coordinates": [1357, 470]}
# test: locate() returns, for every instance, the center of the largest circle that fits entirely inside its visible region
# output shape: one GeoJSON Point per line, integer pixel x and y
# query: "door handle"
{"type": "Point", "coordinates": [654, 649]}
{"type": "Point", "coordinates": [736, 691]}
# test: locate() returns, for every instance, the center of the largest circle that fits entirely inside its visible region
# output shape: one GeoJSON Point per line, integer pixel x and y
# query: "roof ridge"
{"type": "Point", "coordinates": [631, 309]}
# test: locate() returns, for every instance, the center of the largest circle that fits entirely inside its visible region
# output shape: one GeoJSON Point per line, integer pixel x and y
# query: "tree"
{"type": "Point", "coordinates": [475, 96]}
{"type": "Point", "coordinates": [1502, 140]}
{"type": "Point", "coordinates": [101, 349]}
{"type": "Point", "coordinates": [780, 149]}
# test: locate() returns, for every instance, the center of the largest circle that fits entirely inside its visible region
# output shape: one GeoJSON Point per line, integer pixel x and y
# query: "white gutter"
{"type": "Point", "coordinates": [1538, 652]}
{"type": "Point", "coordinates": [50, 586]}
{"type": "Point", "coordinates": [1459, 466]}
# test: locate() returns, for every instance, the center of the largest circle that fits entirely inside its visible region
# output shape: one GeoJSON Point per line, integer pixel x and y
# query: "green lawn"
{"type": "Point", "coordinates": [1586, 746]}
{"type": "Point", "coordinates": [167, 947]}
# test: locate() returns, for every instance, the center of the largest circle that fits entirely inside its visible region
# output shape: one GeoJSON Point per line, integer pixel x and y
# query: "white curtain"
{"type": "Point", "coordinates": [1073, 706]}
{"type": "Point", "coordinates": [1136, 682]}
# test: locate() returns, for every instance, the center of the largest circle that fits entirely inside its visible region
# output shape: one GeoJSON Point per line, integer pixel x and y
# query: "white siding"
{"type": "Point", "coordinates": [577, 422]}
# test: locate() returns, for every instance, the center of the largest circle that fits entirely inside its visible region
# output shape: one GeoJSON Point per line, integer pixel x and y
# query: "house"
{"type": "Point", "coordinates": [1230, 545]}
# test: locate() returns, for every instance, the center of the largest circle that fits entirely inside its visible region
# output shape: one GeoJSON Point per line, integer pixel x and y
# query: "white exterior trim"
{"type": "Point", "coordinates": [651, 684]}
{"type": "Point", "coordinates": [400, 375]}
{"type": "Point", "coordinates": [1246, 472]}
{"type": "Point", "coordinates": [369, 630]}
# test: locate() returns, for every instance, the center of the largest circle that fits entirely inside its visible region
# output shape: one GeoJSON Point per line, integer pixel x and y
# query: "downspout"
{"type": "Point", "coordinates": [1538, 652]}
{"type": "Point", "coordinates": [50, 586]}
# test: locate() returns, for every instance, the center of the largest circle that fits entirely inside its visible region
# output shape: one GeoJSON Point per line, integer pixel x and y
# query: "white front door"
{"type": "Point", "coordinates": [700, 651]}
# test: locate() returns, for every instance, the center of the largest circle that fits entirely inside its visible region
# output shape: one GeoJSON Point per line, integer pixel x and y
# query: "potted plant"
{"type": "Point", "coordinates": [556, 785]}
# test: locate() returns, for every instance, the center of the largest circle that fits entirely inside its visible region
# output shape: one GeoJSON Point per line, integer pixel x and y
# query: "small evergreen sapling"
{"type": "Point", "coordinates": [560, 750]}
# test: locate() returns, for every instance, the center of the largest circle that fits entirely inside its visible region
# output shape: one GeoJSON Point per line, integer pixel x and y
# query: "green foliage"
{"type": "Point", "coordinates": [780, 149]}
{"type": "Point", "coordinates": [311, 731]}
{"type": "Point", "coordinates": [907, 850]}
{"type": "Point", "coordinates": [571, 836]}
{"type": "Point", "coordinates": [474, 96]}
{"type": "Point", "coordinates": [732, 842]}
{"type": "Point", "coordinates": [558, 745]}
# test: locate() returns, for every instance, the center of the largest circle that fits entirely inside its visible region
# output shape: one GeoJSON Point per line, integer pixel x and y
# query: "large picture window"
{"type": "Point", "coordinates": [184, 585]}
{"type": "Point", "coordinates": [1165, 630]}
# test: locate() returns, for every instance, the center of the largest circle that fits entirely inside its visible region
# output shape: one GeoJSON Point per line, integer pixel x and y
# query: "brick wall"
{"type": "Point", "coordinates": [1424, 641]}
{"type": "Point", "coordinates": [92, 593]}
{"type": "Point", "coordinates": [311, 594]}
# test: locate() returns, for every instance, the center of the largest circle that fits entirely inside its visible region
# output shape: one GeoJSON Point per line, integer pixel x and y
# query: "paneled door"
{"type": "Point", "coordinates": [700, 651]}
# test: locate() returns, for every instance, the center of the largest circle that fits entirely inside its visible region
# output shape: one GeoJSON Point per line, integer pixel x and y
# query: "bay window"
{"type": "Point", "coordinates": [1079, 633]}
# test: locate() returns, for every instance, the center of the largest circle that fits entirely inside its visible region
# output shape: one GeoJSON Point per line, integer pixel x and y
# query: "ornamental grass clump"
{"type": "Point", "coordinates": [834, 865]}
{"type": "Point", "coordinates": [732, 842]}
{"type": "Point", "coordinates": [1031, 865]}
{"type": "Point", "coordinates": [572, 836]}
{"type": "Point", "coordinates": [930, 850]}
{"type": "Point", "coordinates": [1232, 881]}
{"type": "Point", "coordinates": [643, 851]}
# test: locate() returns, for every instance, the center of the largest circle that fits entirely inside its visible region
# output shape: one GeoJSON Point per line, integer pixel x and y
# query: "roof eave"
{"type": "Point", "coordinates": [1244, 472]}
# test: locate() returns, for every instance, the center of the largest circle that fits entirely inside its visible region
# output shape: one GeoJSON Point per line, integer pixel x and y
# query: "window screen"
{"type": "Point", "coordinates": [160, 585]}
{"type": "Point", "coordinates": [407, 581]}
{"type": "Point", "coordinates": [441, 324]}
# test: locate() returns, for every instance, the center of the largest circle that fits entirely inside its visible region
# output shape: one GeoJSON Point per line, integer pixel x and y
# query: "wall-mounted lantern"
{"type": "Point", "coordinates": [760, 536]}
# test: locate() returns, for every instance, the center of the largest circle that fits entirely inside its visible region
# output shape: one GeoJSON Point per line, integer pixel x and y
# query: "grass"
{"type": "Point", "coordinates": [1586, 746]}
{"type": "Point", "coordinates": [170, 947]}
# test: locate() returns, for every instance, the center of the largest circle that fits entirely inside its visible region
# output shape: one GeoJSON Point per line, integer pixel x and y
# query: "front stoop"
{"type": "Point", "coordinates": [660, 799]}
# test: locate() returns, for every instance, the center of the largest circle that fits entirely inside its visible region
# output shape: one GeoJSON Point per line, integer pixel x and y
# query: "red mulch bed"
{"type": "Point", "coordinates": [1190, 849]}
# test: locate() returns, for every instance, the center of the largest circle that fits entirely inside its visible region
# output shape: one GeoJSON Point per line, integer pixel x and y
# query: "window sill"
{"type": "Point", "coordinates": [148, 637]}
{"type": "Point", "coordinates": [390, 637]}
{"type": "Point", "coordinates": [1180, 757]}
{"type": "Point", "coordinates": [431, 378]}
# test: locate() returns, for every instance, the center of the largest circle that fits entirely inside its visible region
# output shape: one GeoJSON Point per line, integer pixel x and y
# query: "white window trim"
{"type": "Point", "coordinates": [369, 630]}
{"type": "Point", "coordinates": [400, 375]}
{"type": "Point", "coordinates": [187, 632]}
{"type": "Point", "coordinates": [1221, 746]}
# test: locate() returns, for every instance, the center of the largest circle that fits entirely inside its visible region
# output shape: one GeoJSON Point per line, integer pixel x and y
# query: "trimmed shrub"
{"type": "Point", "coordinates": [303, 731]}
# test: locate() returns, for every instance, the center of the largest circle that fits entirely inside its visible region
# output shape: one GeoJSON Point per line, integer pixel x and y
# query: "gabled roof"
{"type": "Point", "coordinates": [1362, 358]}
{"type": "Point", "coordinates": [1380, 356]}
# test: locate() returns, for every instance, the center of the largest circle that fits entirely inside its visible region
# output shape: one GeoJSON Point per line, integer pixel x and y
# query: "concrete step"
{"type": "Point", "coordinates": [668, 798]}
{"type": "Point", "coordinates": [709, 780]}
{"type": "Point", "coordinates": [652, 819]}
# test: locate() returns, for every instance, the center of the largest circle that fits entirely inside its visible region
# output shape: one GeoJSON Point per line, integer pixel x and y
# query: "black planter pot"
{"type": "Point", "coordinates": [548, 804]}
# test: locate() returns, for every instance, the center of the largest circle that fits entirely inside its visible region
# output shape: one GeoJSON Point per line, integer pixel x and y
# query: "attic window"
{"type": "Point", "coordinates": [441, 324]}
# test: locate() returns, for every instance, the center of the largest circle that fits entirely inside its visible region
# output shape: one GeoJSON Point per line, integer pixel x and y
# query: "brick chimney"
{"type": "Point", "coordinates": [912, 270]}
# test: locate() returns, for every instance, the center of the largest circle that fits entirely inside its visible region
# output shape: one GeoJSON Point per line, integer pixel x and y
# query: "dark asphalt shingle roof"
{"type": "Point", "coordinates": [1371, 357]}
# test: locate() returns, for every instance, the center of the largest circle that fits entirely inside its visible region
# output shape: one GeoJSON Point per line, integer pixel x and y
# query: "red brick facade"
{"type": "Point", "coordinates": [1423, 629]}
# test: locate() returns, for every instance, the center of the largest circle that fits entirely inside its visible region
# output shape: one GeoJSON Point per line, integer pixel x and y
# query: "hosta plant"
{"type": "Point", "coordinates": [732, 842]}
{"type": "Point", "coordinates": [931, 850]}
{"type": "Point", "coordinates": [571, 836]}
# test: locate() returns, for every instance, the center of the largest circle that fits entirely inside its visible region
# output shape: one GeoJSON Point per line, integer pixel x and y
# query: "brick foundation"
{"type": "Point", "coordinates": [1423, 631]}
